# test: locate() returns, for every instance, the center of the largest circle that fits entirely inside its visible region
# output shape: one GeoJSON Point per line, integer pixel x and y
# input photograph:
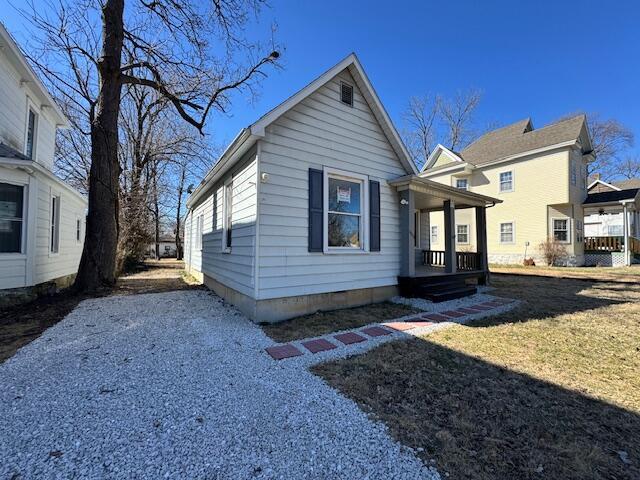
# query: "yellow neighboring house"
{"type": "Point", "coordinates": [539, 174]}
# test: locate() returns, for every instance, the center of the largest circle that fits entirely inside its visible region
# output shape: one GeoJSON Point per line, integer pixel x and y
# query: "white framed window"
{"type": "Point", "coordinates": [227, 216]}
{"type": "Point", "coordinates": [346, 215]}
{"type": "Point", "coordinates": [416, 219]}
{"type": "Point", "coordinates": [507, 232]}
{"type": "Point", "coordinates": [506, 181]}
{"type": "Point", "coordinates": [12, 202]}
{"type": "Point", "coordinates": [561, 231]}
{"type": "Point", "coordinates": [54, 240]}
{"type": "Point", "coordinates": [615, 230]}
{"type": "Point", "coordinates": [462, 234]}
{"type": "Point", "coordinates": [199, 231]}
{"type": "Point", "coordinates": [31, 133]}
{"type": "Point", "coordinates": [574, 173]}
{"type": "Point", "coordinates": [434, 234]}
{"type": "Point", "coordinates": [462, 183]}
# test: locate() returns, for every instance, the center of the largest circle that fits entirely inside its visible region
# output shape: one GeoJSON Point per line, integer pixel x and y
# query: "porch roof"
{"type": "Point", "coordinates": [615, 197]}
{"type": "Point", "coordinates": [441, 192]}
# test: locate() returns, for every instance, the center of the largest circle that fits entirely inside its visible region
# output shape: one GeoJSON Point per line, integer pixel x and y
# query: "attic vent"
{"type": "Point", "coordinates": [346, 94]}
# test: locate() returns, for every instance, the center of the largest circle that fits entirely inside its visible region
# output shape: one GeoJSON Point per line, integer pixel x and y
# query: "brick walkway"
{"type": "Point", "coordinates": [412, 325]}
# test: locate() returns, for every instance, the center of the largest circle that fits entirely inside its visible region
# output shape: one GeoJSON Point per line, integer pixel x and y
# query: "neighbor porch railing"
{"type": "Point", "coordinates": [465, 261]}
{"type": "Point", "coordinates": [634, 245]}
{"type": "Point", "coordinates": [603, 244]}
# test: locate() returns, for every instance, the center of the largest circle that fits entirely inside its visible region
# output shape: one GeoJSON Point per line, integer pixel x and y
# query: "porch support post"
{"type": "Point", "coordinates": [449, 236]}
{"type": "Point", "coordinates": [626, 233]}
{"type": "Point", "coordinates": [407, 229]}
{"type": "Point", "coordinates": [481, 242]}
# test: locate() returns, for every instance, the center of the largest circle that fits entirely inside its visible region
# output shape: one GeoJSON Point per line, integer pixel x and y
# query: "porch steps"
{"type": "Point", "coordinates": [438, 288]}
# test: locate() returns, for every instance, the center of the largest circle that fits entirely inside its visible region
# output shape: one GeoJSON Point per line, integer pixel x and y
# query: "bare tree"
{"type": "Point", "coordinates": [420, 134]}
{"type": "Point", "coordinates": [192, 54]}
{"type": "Point", "coordinates": [628, 167]}
{"type": "Point", "coordinates": [609, 139]}
{"type": "Point", "coordinates": [457, 116]}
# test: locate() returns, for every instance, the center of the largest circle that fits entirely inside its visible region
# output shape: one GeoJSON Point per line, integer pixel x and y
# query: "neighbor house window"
{"type": "Point", "coordinates": [32, 121]}
{"type": "Point", "coordinates": [462, 183]}
{"type": "Point", "coordinates": [11, 217]}
{"type": "Point", "coordinates": [227, 218]}
{"type": "Point", "coordinates": [561, 230]}
{"type": "Point", "coordinates": [615, 230]}
{"type": "Point", "coordinates": [54, 244]}
{"type": "Point", "coordinates": [434, 234]}
{"type": "Point", "coordinates": [574, 173]}
{"type": "Point", "coordinates": [506, 181]}
{"type": "Point", "coordinates": [462, 233]}
{"type": "Point", "coordinates": [416, 238]}
{"type": "Point", "coordinates": [345, 200]}
{"type": "Point", "coordinates": [199, 230]}
{"type": "Point", "coordinates": [506, 232]}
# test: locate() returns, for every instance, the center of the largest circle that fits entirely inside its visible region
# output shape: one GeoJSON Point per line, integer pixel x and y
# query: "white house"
{"type": "Point", "coordinates": [317, 206]}
{"type": "Point", "coordinates": [42, 219]}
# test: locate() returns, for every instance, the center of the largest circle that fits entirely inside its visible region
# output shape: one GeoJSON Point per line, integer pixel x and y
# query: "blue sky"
{"type": "Point", "coordinates": [541, 59]}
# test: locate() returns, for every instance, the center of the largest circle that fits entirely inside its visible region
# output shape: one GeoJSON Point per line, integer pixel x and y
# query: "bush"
{"type": "Point", "coordinates": [552, 251]}
{"type": "Point", "coordinates": [529, 262]}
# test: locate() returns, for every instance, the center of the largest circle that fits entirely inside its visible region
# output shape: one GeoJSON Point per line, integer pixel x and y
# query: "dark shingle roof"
{"type": "Point", "coordinates": [614, 196]}
{"type": "Point", "coordinates": [521, 137]}
{"type": "Point", "coordinates": [8, 152]}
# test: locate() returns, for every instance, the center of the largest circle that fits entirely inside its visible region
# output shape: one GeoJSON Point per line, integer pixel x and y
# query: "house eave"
{"type": "Point", "coordinates": [424, 185]}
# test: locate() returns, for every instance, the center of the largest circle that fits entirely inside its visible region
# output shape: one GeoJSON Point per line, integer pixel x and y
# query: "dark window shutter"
{"type": "Point", "coordinates": [316, 214]}
{"type": "Point", "coordinates": [374, 216]}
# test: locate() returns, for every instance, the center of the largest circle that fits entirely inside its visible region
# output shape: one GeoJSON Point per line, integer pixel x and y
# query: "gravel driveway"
{"type": "Point", "coordinates": [177, 385]}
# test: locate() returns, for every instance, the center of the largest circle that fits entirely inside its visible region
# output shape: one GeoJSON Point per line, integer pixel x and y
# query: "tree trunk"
{"type": "Point", "coordinates": [156, 208]}
{"type": "Point", "coordinates": [179, 253]}
{"type": "Point", "coordinates": [98, 262]}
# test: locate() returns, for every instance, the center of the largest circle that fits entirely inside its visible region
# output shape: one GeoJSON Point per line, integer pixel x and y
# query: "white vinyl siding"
{"type": "Point", "coordinates": [322, 132]}
{"type": "Point", "coordinates": [236, 268]}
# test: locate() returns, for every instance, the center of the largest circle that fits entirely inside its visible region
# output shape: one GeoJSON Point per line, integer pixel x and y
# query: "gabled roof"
{"type": "Point", "coordinates": [615, 196]}
{"type": "Point", "coordinates": [602, 186]}
{"type": "Point", "coordinates": [440, 149]}
{"type": "Point", "coordinates": [18, 60]}
{"type": "Point", "coordinates": [247, 137]}
{"type": "Point", "coordinates": [521, 137]}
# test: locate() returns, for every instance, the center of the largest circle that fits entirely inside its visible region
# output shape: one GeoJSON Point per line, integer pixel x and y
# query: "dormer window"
{"type": "Point", "coordinates": [32, 120]}
{"type": "Point", "coordinates": [462, 183]}
{"type": "Point", "coordinates": [346, 94]}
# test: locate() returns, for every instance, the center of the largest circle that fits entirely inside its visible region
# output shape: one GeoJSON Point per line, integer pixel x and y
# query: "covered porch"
{"type": "Point", "coordinates": [427, 272]}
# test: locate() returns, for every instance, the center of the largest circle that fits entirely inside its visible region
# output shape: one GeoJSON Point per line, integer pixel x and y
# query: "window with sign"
{"type": "Point", "coordinates": [11, 217]}
{"type": "Point", "coordinates": [345, 212]}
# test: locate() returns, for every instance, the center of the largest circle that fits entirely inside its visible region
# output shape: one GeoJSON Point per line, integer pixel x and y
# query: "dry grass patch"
{"type": "Point", "coordinates": [321, 323]}
{"type": "Point", "coordinates": [614, 274]}
{"type": "Point", "coordinates": [551, 390]}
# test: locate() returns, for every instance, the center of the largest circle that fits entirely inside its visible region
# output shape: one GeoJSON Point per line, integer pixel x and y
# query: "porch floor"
{"type": "Point", "coordinates": [431, 271]}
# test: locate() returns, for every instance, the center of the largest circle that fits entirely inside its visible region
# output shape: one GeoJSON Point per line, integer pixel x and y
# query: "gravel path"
{"type": "Point", "coordinates": [177, 385]}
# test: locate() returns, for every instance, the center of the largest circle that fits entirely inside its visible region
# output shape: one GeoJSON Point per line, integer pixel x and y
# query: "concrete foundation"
{"type": "Point", "coordinates": [517, 259]}
{"type": "Point", "coordinates": [278, 309]}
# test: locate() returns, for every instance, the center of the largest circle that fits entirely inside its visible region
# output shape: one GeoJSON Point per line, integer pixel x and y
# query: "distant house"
{"type": "Point", "coordinates": [42, 219]}
{"type": "Point", "coordinates": [612, 222]}
{"type": "Point", "coordinates": [317, 206]}
{"type": "Point", "coordinates": [540, 176]}
{"type": "Point", "coordinates": [166, 246]}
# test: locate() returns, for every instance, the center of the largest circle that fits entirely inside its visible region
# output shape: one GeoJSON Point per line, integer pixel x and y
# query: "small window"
{"type": "Point", "coordinates": [346, 94]}
{"type": "Point", "coordinates": [31, 134]}
{"type": "Point", "coordinates": [345, 223]}
{"type": "Point", "coordinates": [462, 234]}
{"type": "Point", "coordinates": [574, 173]}
{"type": "Point", "coordinates": [416, 237]}
{"type": "Point", "coordinates": [506, 232]}
{"type": "Point", "coordinates": [462, 183]}
{"type": "Point", "coordinates": [11, 217]}
{"type": "Point", "coordinates": [199, 231]}
{"type": "Point", "coordinates": [227, 217]}
{"type": "Point", "coordinates": [434, 234]}
{"type": "Point", "coordinates": [561, 230]}
{"type": "Point", "coordinates": [506, 182]}
{"type": "Point", "coordinates": [54, 245]}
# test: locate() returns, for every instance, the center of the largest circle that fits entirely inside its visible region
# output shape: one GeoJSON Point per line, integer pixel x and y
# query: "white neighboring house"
{"type": "Point", "coordinates": [315, 207]}
{"type": "Point", "coordinates": [42, 219]}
